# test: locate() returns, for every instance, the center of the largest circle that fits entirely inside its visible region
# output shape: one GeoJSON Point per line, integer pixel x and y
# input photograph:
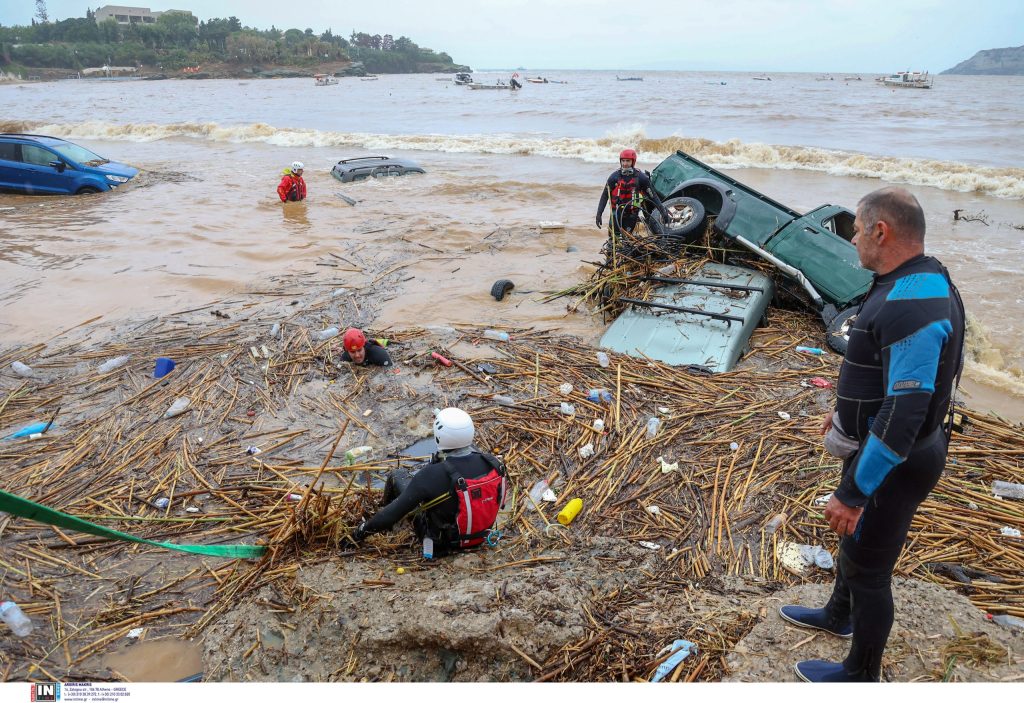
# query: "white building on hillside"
{"type": "Point", "coordinates": [130, 15]}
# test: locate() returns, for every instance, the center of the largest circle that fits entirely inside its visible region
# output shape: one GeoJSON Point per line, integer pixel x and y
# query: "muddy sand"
{"type": "Point", "coordinates": [674, 541]}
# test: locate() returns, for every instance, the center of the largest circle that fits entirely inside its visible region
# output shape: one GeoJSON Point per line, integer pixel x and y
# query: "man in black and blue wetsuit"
{"type": "Point", "coordinates": [627, 187]}
{"type": "Point", "coordinates": [895, 387]}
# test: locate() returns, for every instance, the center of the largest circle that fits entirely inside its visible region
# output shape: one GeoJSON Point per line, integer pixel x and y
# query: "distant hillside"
{"type": "Point", "coordinates": [992, 62]}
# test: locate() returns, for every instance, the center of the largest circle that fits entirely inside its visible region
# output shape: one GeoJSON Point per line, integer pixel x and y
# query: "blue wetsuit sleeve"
{"type": "Point", "coordinates": [913, 335]}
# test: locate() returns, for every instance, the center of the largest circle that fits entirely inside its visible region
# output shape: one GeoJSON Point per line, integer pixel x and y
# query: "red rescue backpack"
{"type": "Point", "coordinates": [480, 499]}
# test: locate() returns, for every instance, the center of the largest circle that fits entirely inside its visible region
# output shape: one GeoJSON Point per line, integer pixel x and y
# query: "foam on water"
{"type": "Point", "coordinates": [945, 175]}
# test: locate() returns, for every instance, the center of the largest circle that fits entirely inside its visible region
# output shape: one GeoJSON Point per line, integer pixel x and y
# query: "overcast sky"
{"type": "Point", "coordinates": [876, 36]}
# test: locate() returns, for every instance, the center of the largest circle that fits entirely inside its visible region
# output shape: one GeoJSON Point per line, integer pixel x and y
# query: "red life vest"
{"type": "Point", "coordinates": [292, 187]}
{"type": "Point", "coordinates": [625, 190]}
{"type": "Point", "coordinates": [480, 499]}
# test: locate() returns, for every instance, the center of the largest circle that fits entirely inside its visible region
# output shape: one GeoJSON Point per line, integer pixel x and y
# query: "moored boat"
{"type": "Point", "coordinates": [324, 79]}
{"type": "Point", "coordinates": [907, 79]}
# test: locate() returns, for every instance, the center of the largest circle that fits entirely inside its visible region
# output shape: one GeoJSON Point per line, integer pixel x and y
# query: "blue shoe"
{"type": "Point", "coordinates": [821, 671]}
{"type": "Point", "coordinates": [817, 619]}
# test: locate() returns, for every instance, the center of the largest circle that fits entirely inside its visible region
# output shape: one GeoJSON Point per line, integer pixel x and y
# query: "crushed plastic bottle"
{"type": "Point", "coordinates": [428, 548]}
{"type": "Point", "coordinates": [598, 425]}
{"type": "Point", "coordinates": [565, 388]}
{"type": "Point", "coordinates": [784, 415]}
{"type": "Point", "coordinates": [812, 350]}
{"type": "Point", "coordinates": [503, 400]}
{"type": "Point", "coordinates": [1009, 532]}
{"type": "Point", "coordinates": [19, 623]}
{"type": "Point", "coordinates": [115, 363]}
{"type": "Point", "coordinates": [326, 334]}
{"type": "Point", "coordinates": [23, 370]}
{"type": "Point", "coordinates": [603, 360]}
{"type": "Point", "coordinates": [275, 330]}
{"type": "Point", "coordinates": [177, 407]}
{"type": "Point", "coordinates": [1011, 621]}
{"type": "Point", "coordinates": [586, 451]}
{"type": "Point", "coordinates": [1005, 489]}
{"type": "Point", "coordinates": [355, 453]}
{"type": "Point", "coordinates": [653, 425]}
{"type": "Point", "coordinates": [775, 523]}
{"type": "Point", "coordinates": [537, 492]}
{"type": "Point", "coordinates": [680, 650]}
{"type": "Point", "coordinates": [496, 335]}
{"type": "Point", "coordinates": [602, 395]}
{"type": "Point", "coordinates": [567, 409]}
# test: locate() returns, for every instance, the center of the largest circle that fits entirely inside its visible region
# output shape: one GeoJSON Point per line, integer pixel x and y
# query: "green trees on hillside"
{"type": "Point", "coordinates": [178, 39]}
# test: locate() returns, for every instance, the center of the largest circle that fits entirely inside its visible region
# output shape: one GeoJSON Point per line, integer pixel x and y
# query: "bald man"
{"type": "Point", "coordinates": [894, 392]}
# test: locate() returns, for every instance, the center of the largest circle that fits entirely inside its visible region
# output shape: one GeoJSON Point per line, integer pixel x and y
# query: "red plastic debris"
{"type": "Point", "coordinates": [440, 359]}
{"type": "Point", "coordinates": [251, 413]}
{"type": "Point", "coordinates": [820, 382]}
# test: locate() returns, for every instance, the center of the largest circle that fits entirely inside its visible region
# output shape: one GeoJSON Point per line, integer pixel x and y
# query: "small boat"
{"type": "Point", "coordinates": [762, 78]}
{"type": "Point", "coordinates": [630, 78]}
{"type": "Point", "coordinates": [493, 86]}
{"type": "Point", "coordinates": [368, 78]}
{"type": "Point", "coordinates": [463, 79]}
{"type": "Point", "coordinates": [538, 79]}
{"type": "Point", "coordinates": [907, 79]}
{"type": "Point", "coordinates": [324, 79]}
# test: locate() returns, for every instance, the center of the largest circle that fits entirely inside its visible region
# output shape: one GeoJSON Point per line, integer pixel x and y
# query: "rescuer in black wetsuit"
{"type": "Point", "coordinates": [895, 387]}
{"type": "Point", "coordinates": [627, 187]}
{"type": "Point", "coordinates": [432, 485]}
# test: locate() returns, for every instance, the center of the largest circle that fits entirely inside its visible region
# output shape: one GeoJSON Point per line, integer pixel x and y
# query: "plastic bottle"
{"type": "Point", "coordinates": [653, 425]}
{"type": "Point", "coordinates": [357, 453]}
{"type": "Point", "coordinates": [428, 548]}
{"type": "Point", "coordinates": [603, 360]}
{"type": "Point", "coordinates": [598, 425]}
{"type": "Point", "coordinates": [812, 350]}
{"type": "Point", "coordinates": [775, 523]}
{"type": "Point", "coordinates": [496, 335]}
{"type": "Point", "coordinates": [162, 502]}
{"type": "Point", "coordinates": [275, 331]}
{"type": "Point", "coordinates": [537, 492]}
{"type": "Point", "coordinates": [23, 370]}
{"type": "Point", "coordinates": [1011, 621]}
{"type": "Point", "coordinates": [326, 334]}
{"type": "Point", "coordinates": [177, 407]}
{"type": "Point", "coordinates": [602, 395]}
{"type": "Point", "coordinates": [11, 614]}
{"type": "Point", "coordinates": [1005, 489]}
{"type": "Point", "coordinates": [567, 409]}
{"type": "Point", "coordinates": [503, 400]}
{"type": "Point", "coordinates": [565, 388]}
{"type": "Point", "coordinates": [115, 363]}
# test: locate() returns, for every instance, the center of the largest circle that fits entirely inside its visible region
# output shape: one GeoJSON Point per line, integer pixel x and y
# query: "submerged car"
{"type": "Point", "coordinates": [37, 164]}
{"type": "Point", "coordinates": [362, 167]}
{"type": "Point", "coordinates": [704, 322]}
{"type": "Point", "coordinates": [813, 250]}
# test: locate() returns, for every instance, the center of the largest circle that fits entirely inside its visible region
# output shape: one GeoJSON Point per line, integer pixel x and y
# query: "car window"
{"type": "Point", "coordinates": [36, 155]}
{"type": "Point", "coordinates": [9, 151]}
{"type": "Point", "coordinates": [360, 173]}
{"type": "Point", "coordinates": [841, 224]}
{"type": "Point", "coordinates": [79, 154]}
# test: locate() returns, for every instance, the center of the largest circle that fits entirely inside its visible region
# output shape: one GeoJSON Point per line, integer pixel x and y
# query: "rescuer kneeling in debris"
{"type": "Point", "coordinates": [454, 499]}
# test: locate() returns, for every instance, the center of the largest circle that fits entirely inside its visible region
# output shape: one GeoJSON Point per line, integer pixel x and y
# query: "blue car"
{"type": "Point", "coordinates": [38, 165]}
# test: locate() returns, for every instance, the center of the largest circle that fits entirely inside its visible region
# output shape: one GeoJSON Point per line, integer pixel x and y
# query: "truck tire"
{"type": "Point", "coordinates": [837, 332]}
{"type": "Point", "coordinates": [687, 217]}
{"type": "Point", "coordinates": [501, 287]}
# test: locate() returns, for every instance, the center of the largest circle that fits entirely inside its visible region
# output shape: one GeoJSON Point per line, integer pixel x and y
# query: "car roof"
{"type": "Point", "coordinates": [34, 138]}
{"type": "Point", "coordinates": [363, 160]}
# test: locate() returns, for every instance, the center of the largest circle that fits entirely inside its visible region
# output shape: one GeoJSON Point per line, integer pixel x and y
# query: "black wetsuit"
{"type": "Point", "coordinates": [426, 484]}
{"type": "Point", "coordinates": [627, 192]}
{"type": "Point", "coordinates": [376, 355]}
{"type": "Point", "coordinates": [894, 391]}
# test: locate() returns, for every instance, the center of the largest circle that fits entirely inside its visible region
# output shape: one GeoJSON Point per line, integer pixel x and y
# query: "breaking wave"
{"type": "Point", "coordinates": [998, 182]}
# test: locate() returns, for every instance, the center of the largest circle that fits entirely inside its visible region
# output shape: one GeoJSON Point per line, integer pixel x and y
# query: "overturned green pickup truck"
{"type": "Point", "coordinates": [813, 250]}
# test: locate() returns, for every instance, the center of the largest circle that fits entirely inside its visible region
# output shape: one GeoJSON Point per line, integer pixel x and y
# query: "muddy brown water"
{"type": "Point", "coordinates": [159, 660]}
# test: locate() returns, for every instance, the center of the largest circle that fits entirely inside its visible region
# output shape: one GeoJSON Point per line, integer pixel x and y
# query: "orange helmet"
{"type": "Point", "coordinates": [354, 339]}
{"type": "Point", "coordinates": [628, 154]}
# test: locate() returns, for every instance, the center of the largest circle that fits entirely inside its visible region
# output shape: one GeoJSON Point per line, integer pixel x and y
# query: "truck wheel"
{"type": "Point", "coordinates": [87, 190]}
{"type": "Point", "coordinates": [501, 287]}
{"type": "Point", "coordinates": [686, 217]}
{"type": "Point", "coordinates": [837, 333]}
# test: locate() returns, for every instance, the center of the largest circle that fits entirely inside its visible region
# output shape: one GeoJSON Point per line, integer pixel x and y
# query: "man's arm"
{"type": "Point", "coordinates": [609, 184]}
{"type": "Point", "coordinates": [912, 342]}
{"type": "Point", "coordinates": [648, 190]}
{"type": "Point", "coordinates": [423, 487]}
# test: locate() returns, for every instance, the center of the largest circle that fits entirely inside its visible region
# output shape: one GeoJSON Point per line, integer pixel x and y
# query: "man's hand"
{"type": "Point", "coordinates": [841, 517]}
{"type": "Point", "coordinates": [598, 221]}
{"type": "Point", "coordinates": [826, 424]}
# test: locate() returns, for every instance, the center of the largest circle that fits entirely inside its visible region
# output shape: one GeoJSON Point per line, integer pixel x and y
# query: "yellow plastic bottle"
{"type": "Point", "coordinates": [570, 511]}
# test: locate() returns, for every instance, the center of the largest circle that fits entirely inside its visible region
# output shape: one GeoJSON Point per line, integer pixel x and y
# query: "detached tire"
{"type": "Point", "coordinates": [837, 333]}
{"type": "Point", "coordinates": [686, 217]}
{"type": "Point", "coordinates": [501, 287]}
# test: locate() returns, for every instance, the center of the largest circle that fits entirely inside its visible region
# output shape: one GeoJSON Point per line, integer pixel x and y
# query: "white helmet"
{"type": "Point", "coordinates": [453, 429]}
{"type": "Point", "coordinates": [297, 165]}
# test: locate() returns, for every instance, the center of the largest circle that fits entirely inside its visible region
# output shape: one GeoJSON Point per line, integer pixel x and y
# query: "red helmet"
{"type": "Point", "coordinates": [354, 339]}
{"type": "Point", "coordinates": [628, 154]}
